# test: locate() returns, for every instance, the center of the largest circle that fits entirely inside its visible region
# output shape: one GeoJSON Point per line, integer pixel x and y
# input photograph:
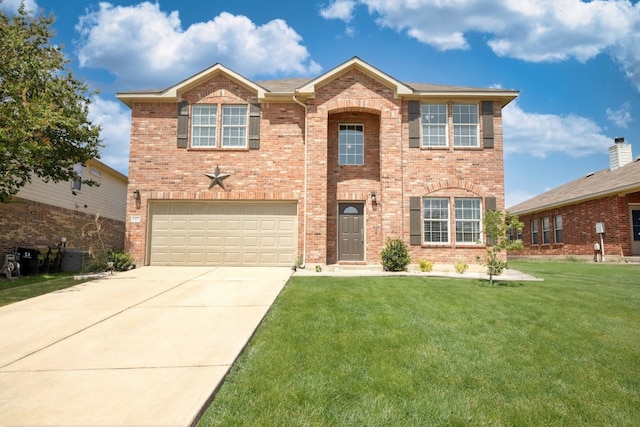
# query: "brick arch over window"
{"type": "Point", "coordinates": [373, 106]}
{"type": "Point", "coordinates": [455, 183]}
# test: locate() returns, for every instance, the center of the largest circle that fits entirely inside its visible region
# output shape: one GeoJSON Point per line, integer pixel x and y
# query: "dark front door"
{"type": "Point", "coordinates": [635, 230]}
{"type": "Point", "coordinates": [351, 232]}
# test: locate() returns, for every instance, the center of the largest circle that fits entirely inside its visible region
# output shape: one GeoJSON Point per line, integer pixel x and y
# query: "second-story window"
{"type": "Point", "coordinates": [465, 125]}
{"type": "Point", "coordinates": [234, 126]}
{"type": "Point", "coordinates": [203, 125]}
{"type": "Point", "coordinates": [351, 144]}
{"type": "Point", "coordinates": [434, 125]}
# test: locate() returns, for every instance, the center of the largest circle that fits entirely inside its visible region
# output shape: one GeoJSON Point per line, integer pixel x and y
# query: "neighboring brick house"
{"type": "Point", "coordinates": [44, 212]}
{"type": "Point", "coordinates": [225, 170]}
{"type": "Point", "coordinates": [563, 221]}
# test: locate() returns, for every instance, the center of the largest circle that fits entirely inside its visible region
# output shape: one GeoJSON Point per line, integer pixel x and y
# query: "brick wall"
{"type": "Point", "coordinates": [392, 170]}
{"type": "Point", "coordinates": [160, 170]}
{"type": "Point", "coordinates": [450, 173]}
{"type": "Point", "coordinates": [579, 232]}
{"type": "Point", "coordinates": [24, 223]}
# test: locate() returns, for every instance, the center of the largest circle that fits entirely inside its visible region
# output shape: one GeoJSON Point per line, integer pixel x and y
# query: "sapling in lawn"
{"type": "Point", "coordinates": [498, 227]}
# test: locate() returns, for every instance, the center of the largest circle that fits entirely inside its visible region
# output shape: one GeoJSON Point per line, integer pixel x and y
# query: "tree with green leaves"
{"type": "Point", "coordinates": [498, 225]}
{"type": "Point", "coordinates": [44, 128]}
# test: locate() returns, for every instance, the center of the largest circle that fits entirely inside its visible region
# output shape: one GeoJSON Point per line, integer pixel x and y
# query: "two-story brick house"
{"type": "Point", "coordinates": [225, 170]}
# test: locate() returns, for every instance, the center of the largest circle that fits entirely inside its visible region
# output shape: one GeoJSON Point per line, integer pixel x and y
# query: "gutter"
{"type": "Point", "coordinates": [304, 218]}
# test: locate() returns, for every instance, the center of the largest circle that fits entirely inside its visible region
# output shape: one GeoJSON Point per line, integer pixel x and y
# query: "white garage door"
{"type": "Point", "coordinates": [220, 233]}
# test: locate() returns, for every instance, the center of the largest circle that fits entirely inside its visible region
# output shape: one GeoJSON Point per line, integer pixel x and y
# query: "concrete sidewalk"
{"type": "Point", "coordinates": [474, 271]}
{"type": "Point", "coordinates": [146, 347]}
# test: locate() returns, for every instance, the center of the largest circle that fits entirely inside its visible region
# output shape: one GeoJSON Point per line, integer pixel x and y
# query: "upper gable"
{"type": "Point", "coordinates": [195, 82]}
{"type": "Point", "coordinates": [398, 88]}
{"type": "Point", "coordinates": [301, 90]}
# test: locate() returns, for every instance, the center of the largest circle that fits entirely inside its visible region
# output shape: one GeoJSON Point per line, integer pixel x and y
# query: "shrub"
{"type": "Point", "coordinates": [460, 267]}
{"type": "Point", "coordinates": [121, 260]}
{"type": "Point", "coordinates": [395, 256]}
{"type": "Point", "coordinates": [425, 266]}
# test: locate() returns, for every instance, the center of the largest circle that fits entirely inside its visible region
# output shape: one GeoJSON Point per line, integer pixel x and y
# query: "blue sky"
{"type": "Point", "coordinates": [575, 63]}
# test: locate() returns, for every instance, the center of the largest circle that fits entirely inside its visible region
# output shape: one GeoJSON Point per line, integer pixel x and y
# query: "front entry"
{"type": "Point", "coordinates": [635, 230]}
{"type": "Point", "coordinates": [350, 231]}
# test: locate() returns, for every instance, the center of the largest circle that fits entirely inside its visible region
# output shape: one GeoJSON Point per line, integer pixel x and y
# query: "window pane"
{"type": "Point", "coordinates": [234, 126]}
{"type": "Point", "coordinates": [203, 125]}
{"type": "Point", "coordinates": [351, 145]}
{"type": "Point", "coordinates": [557, 225]}
{"type": "Point", "coordinates": [465, 125]}
{"type": "Point", "coordinates": [468, 225]}
{"type": "Point", "coordinates": [434, 125]}
{"type": "Point", "coordinates": [436, 220]}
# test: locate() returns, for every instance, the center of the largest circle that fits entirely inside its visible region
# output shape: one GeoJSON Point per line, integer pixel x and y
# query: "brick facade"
{"type": "Point", "coordinates": [579, 232]}
{"type": "Point", "coordinates": [27, 223]}
{"type": "Point", "coordinates": [276, 171]}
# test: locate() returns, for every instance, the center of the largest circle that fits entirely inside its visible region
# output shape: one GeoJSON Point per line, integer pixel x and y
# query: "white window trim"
{"type": "Point", "coordinates": [454, 124]}
{"type": "Point", "coordinates": [446, 221]}
{"type": "Point", "coordinates": [446, 126]}
{"type": "Point", "coordinates": [363, 144]}
{"type": "Point", "coordinates": [194, 126]}
{"type": "Point", "coordinates": [556, 229]}
{"type": "Point", "coordinates": [546, 230]}
{"type": "Point", "coordinates": [479, 241]}
{"type": "Point", "coordinates": [223, 127]}
{"type": "Point", "coordinates": [535, 231]}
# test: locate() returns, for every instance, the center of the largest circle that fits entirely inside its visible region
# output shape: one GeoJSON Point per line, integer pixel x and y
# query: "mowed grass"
{"type": "Point", "coordinates": [14, 290]}
{"type": "Point", "coordinates": [417, 351]}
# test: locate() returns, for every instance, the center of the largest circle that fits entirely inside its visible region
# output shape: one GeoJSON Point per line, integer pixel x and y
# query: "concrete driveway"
{"type": "Point", "coordinates": [146, 347]}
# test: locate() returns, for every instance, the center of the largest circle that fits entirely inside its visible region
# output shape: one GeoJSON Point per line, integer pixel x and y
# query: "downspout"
{"type": "Point", "coordinates": [304, 217]}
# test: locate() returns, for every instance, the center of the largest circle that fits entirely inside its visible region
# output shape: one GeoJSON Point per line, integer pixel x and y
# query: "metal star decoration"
{"type": "Point", "coordinates": [217, 178]}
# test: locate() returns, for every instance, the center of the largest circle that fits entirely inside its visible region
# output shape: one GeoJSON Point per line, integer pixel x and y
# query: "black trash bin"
{"type": "Point", "coordinates": [33, 259]}
{"type": "Point", "coordinates": [28, 261]}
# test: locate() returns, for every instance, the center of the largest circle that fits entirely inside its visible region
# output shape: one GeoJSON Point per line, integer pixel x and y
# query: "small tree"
{"type": "Point", "coordinates": [497, 225]}
{"type": "Point", "coordinates": [44, 129]}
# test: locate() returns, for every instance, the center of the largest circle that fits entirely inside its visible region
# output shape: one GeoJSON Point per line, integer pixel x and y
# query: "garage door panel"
{"type": "Point", "coordinates": [201, 233]}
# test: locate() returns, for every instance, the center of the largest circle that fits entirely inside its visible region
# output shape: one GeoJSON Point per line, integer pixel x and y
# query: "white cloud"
{"type": "Point", "coordinates": [542, 134]}
{"type": "Point", "coordinates": [115, 120]}
{"type": "Point", "coordinates": [339, 9]}
{"type": "Point", "coordinates": [620, 117]}
{"type": "Point", "coordinates": [530, 30]}
{"type": "Point", "coordinates": [145, 46]}
{"type": "Point", "coordinates": [11, 6]}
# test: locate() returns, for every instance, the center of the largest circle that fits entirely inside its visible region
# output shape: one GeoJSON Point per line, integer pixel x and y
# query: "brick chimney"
{"type": "Point", "coordinates": [619, 154]}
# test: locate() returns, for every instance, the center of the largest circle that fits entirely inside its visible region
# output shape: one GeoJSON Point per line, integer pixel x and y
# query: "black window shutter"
{"type": "Point", "coordinates": [487, 124]}
{"type": "Point", "coordinates": [414, 124]}
{"type": "Point", "coordinates": [490, 204]}
{"type": "Point", "coordinates": [415, 223]}
{"type": "Point", "coordinates": [183, 124]}
{"type": "Point", "coordinates": [254, 126]}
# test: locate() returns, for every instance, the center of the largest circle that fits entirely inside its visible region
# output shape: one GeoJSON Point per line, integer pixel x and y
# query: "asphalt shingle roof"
{"type": "Point", "coordinates": [599, 184]}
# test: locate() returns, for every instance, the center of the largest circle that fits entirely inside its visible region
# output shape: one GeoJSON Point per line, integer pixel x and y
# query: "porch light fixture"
{"type": "Point", "coordinates": [136, 194]}
{"type": "Point", "coordinates": [374, 200]}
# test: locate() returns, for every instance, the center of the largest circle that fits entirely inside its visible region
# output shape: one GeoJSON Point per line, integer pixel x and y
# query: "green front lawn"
{"type": "Point", "coordinates": [14, 290]}
{"type": "Point", "coordinates": [417, 351]}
